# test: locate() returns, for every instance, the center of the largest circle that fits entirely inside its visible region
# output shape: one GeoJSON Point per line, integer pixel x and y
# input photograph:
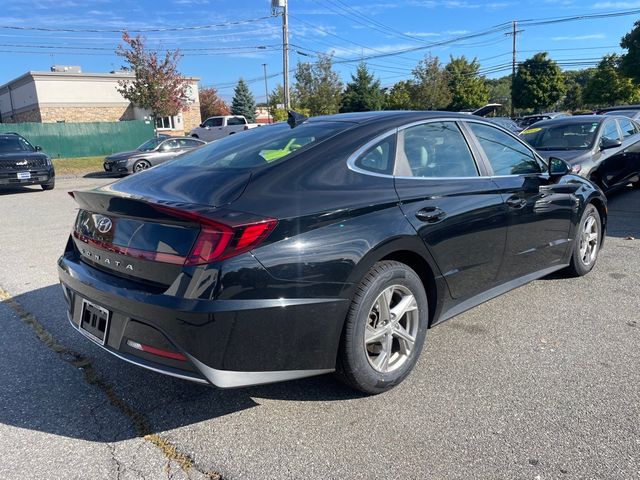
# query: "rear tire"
{"type": "Point", "coordinates": [385, 329]}
{"type": "Point", "coordinates": [48, 186]}
{"type": "Point", "coordinates": [587, 242]}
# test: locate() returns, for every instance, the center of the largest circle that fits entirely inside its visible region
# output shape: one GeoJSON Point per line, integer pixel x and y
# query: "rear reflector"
{"type": "Point", "coordinates": [156, 351]}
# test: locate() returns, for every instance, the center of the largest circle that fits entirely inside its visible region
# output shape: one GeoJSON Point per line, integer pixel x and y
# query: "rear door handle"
{"type": "Point", "coordinates": [516, 202]}
{"type": "Point", "coordinates": [430, 214]}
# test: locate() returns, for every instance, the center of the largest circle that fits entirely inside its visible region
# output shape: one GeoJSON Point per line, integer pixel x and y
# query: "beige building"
{"type": "Point", "coordinates": [72, 96]}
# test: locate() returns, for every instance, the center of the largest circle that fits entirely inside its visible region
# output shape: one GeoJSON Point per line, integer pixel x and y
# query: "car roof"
{"type": "Point", "coordinates": [390, 116]}
{"type": "Point", "coordinates": [573, 119]}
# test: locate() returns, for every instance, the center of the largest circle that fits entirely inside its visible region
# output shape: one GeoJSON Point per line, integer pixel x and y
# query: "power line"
{"type": "Point", "coordinates": [140, 30]}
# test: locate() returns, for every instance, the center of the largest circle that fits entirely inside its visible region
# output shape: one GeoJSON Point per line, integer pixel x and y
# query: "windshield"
{"type": "Point", "coordinates": [564, 136]}
{"type": "Point", "coordinates": [13, 143]}
{"type": "Point", "coordinates": [150, 144]}
{"type": "Point", "coordinates": [257, 147]}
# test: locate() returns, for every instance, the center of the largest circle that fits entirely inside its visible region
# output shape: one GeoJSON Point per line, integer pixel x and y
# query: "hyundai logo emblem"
{"type": "Point", "coordinates": [104, 225]}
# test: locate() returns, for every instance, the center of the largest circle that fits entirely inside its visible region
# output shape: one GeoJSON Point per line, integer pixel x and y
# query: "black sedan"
{"type": "Point", "coordinates": [318, 245]}
{"type": "Point", "coordinates": [602, 148]}
{"type": "Point", "coordinates": [151, 153]}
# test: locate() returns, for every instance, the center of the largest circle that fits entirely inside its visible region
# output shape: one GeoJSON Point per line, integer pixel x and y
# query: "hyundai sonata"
{"type": "Point", "coordinates": [319, 245]}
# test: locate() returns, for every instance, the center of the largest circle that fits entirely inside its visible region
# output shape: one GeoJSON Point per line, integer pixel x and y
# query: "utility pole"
{"type": "Point", "coordinates": [276, 5]}
{"type": "Point", "coordinates": [514, 33]}
{"type": "Point", "coordinates": [266, 92]}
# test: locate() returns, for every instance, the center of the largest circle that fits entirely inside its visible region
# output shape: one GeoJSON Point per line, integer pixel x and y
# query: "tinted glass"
{"type": "Point", "coordinates": [610, 130]}
{"type": "Point", "coordinates": [235, 121]}
{"type": "Point", "coordinates": [437, 149]}
{"type": "Point", "coordinates": [379, 158]}
{"type": "Point", "coordinates": [627, 127]}
{"type": "Point", "coordinates": [187, 143]}
{"type": "Point", "coordinates": [624, 113]}
{"type": "Point", "coordinates": [257, 147]}
{"type": "Point", "coordinates": [562, 136]}
{"type": "Point", "coordinates": [150, 144]}
{"type": "Point", "coordinates": [506, 154]}
{"type": "Point", "coordinates": [213, 122]}
{"type": "Point", "coordinates": [13, 143]}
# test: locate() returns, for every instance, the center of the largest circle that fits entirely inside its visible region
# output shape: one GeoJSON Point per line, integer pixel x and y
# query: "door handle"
{"type": "Point", "coordinates": [430, 214]}
{"type": "Point", "coordinates": [516, 202]}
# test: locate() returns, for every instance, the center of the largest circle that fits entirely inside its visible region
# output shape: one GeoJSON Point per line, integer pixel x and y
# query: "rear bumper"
{"type": "Point", "coordinates": [228, 343]}
{"type": "Point", "coordinates": [38, 177]}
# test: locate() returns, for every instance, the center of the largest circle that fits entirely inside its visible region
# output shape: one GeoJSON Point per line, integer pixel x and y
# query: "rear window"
{"type": "Point", "coordinates": [257, 147]}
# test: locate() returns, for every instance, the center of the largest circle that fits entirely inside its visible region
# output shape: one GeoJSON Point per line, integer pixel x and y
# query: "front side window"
{"type": "Point", "coordinates": [436, 150]}
{"type": "Point", "coordinates": [627, 127]}
{"type": "Point", "coordinates": [507, 155]}
{"type": "Point", "coordinates": [610, 130]}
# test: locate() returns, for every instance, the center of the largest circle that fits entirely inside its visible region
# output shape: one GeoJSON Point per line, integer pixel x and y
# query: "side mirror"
{"type": "Point", "coordinates": [38, 148]}
{"type": "Point", "coordinates": [558, 167]}
{"type": "Point", "coordinates": [607, 143]}
{"type": "Point", "coordinates": [201, 125]}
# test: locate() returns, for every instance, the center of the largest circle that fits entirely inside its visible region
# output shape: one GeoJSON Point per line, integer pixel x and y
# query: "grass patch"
{"type": "Point", "coordinates": [78, 165]}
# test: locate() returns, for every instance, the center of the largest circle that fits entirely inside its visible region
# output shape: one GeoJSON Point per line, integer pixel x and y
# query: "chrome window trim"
{"type": "Point", "coordinates": [351, 161]}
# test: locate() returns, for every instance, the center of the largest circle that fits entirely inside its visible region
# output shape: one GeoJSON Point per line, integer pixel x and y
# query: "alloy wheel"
{"type": "Point", "coordinates": [589, 240]}
{"type": "Point", "coordinates": [391, 329]}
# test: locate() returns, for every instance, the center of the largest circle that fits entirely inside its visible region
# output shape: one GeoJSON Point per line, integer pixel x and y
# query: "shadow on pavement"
{"type": "Point", "coordinates": [624, 213]}
{"type": "Point", "coordinates": [15, 190]}
{"type": "Point", "coordinates": [56, 397]}
{"type": "Point", "coordinates": [102, 175]}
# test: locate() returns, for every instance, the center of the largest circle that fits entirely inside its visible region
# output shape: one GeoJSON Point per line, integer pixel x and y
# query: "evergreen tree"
{"type": "Point", "coordinates": [318, 87]}
{"type": "Point", "coordinates": [430, 85]}
{"type": "Point", "coordinates": [363, 93]}
{"type": "Point", "coordinates": [400, 97]}
{"type": "Point", "coordinates": [468, 88]}
{"type": "Point", "coordinates": [609, 86]}
{"type": "Point", "coordinates": [243, 102]}
{"type": "Point", "coordinates": [538, 84]}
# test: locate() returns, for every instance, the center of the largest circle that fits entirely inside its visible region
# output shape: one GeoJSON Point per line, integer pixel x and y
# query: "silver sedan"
{"type": "Point", "coordinates": [152, 152]}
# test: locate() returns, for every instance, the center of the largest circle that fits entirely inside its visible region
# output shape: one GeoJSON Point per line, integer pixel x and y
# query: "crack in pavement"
{"type": "Point", "coordinates": [139, 421]}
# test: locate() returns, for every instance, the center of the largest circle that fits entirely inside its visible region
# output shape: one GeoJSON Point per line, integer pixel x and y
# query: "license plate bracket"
{"type": "Point", "coordinates": [94, 321]}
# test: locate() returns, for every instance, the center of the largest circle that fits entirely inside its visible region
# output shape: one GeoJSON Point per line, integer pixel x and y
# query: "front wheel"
{"type": "Point", "coordinates": [141, 165]}
{"type": "Point", "coordinates": [384, 330]}
{"type": "Point", "coordinates": [587, 243]}
{"type": "Point", "coordinates": [48, 186]}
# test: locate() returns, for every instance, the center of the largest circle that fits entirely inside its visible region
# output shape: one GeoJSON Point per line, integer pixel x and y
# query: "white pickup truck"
{"type": "Point", "coordinates": [214, 128]}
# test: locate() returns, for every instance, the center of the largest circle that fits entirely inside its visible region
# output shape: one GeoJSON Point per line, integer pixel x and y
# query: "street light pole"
{"type": "Point", "coordinates": [266, 92]}
{"type": "Point", "coordinates": [285, 52]}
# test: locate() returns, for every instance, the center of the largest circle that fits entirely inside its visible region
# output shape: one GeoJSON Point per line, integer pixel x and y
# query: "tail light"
{"type": "Point", "coordinates": [215, 240]}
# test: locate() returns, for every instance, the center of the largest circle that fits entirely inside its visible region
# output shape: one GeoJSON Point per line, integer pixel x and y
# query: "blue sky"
{"type": "Point", "coordinates": [350, 29]}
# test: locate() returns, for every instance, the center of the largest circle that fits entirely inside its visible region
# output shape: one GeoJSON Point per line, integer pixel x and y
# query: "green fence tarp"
{"type": "Point", "coordinates": [62, 140]}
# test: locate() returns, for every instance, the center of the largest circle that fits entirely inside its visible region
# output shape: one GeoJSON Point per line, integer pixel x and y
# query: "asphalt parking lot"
{"type": "Point", "coordinates": [540, 383]}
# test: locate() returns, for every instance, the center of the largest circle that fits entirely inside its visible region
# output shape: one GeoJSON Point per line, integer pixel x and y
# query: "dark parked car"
{"type": "Point", "coordinates": [529, 120]}
{"type": "Point", "coordinates": [602, 148]}
{"type": "Point", "coordinates": [23, 164]}
{"type": "Point", "coordinates": [151, 153]}
{"type": "Point", "coordinates": [325, 244]}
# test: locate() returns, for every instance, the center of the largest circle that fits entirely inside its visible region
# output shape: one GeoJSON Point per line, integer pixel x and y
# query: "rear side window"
{"type": "Point", "coordinates": [437, 150]}
{"type": "Point", "coordinates": [257, 147]}
{"type": "Point", "coordinates": [236, 121]}
{"type": "Point", "coordinates": [379, 158]}
{"type": "Point", "coordinates": [506, 155]}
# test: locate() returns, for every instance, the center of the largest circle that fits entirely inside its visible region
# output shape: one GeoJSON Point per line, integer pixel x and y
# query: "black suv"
{"type": "Point", "coordinates": [23, 164]}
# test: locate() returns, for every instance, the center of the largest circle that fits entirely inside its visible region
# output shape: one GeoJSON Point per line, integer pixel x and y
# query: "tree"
{"type": "Point", "coordinates": [609, 86]}
{"type": "Point", "coordinates": [243, 102]}
{"type": "Point", "coordinates": [157, 86]}
{"type": "Point", "coordinates": [467, 87]}
{"type": "Point", "coordinates": [211, 104]}
{"type": "Point", "coordinates": [538, 83]}
{"type": "Point", "coordinates": [575, 81]}
{"type": "Point", "coordinates": [276, 97]}
{"type": "Point", "coordinates": [630, 61]}
{"type": "Point", "coordinates": [430, 85]}
{"type": "Point", "coordinates": [400, 96]}
{"type": "Point", "coordinates": [363, 93]}
{"type": "Point", "coordinates": [318, 88]}
{"type": "Point", "coordinates": [499, 91]}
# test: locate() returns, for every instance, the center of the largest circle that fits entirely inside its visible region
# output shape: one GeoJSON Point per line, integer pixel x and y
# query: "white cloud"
{"type": "Point", "coordinates": [422, 34]}
{"type": "Point", "coordinates": [355, 51]}
{"type": "Point", "coordinates": [618, 5]}
{"type": "Point", "coordinates": [594, 36]}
